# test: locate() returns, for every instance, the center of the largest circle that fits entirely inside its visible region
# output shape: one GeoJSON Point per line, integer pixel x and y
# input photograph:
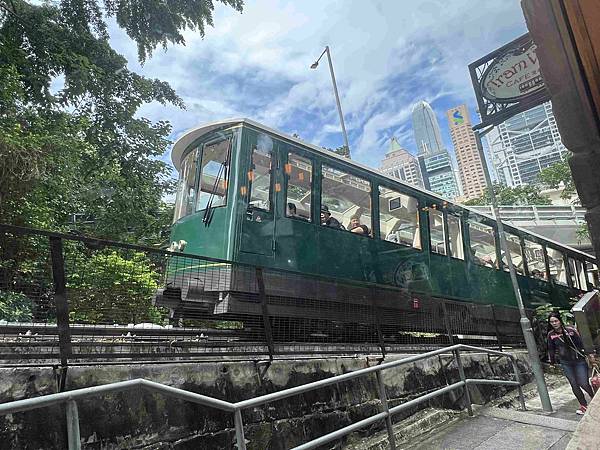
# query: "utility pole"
{"type": "Point", "coordinates": [532, 351]}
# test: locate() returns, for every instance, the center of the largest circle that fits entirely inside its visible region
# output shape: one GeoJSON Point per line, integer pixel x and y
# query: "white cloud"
{"type": "Point", "coordinates": [386, 55]}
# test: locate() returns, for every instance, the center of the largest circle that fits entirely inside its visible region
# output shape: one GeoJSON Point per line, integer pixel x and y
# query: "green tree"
{"type": "Point", "coordinates": [342, 151]}
{"type": "Point", "coordinates": [83, 150]}
{"type": "Point", "coordinates": [559, 175]}
{"type": "Point", "coordinates": [108, 288]}
{"type": "Point", "coordinates": [520, 195]}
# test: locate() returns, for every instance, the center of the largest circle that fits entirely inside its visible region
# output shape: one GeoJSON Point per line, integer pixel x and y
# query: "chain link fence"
{"type": "Point", "coordinates": [71, 298]}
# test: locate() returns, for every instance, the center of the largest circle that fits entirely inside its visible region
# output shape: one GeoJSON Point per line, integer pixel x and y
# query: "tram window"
{"type": "Point", "coordinates": [186, 189]}
{"type": "Point", "coordinates": [436, 232]}
{"type": "Point", "coordinates": [575, 269]}
{"type": "Point", "coordinates": [482, 244]}
{"type": "Point", "coordinates": [514, 249]}
{"type": "Point", "coordinates": [399, 218]}
{"type": "Point", "coordinates": [592, 274]}
{"type": "Point", "coordinates": [455, 237]}
{"type": "Point", "coordinates": [298, 172]}
{"type": "Point", "coordinates": [557, 266]}
{"type": "Point", "coordinates": [214, 175]}
{"type": "Point", "coordinates": [534, 255]}
{"type": "Point", "coordinates": [259, 175]}
{"type": "Point", "coordinates": [347, 198]}
{"type": "Point", "coordinates": [581, 274]}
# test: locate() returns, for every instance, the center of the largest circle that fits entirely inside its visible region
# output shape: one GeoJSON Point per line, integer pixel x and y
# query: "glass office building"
{"type": "Point", "coordinates": [525, 144]}
{"type": "Point", "coordinates": [437, 170]}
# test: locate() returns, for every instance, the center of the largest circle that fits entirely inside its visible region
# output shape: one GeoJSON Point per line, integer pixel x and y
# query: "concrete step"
{"type": "Point", "coordinates": [528, 418]}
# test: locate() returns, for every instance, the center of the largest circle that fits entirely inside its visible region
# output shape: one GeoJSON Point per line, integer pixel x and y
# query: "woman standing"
{"type": "Point", "coordinates": [565, 343]}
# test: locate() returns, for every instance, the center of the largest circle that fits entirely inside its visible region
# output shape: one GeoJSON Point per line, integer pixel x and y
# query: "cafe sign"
{"type": "Point", "coordinates": [513, 75]}
{"type": "Point", "coordinates": [508, 81]}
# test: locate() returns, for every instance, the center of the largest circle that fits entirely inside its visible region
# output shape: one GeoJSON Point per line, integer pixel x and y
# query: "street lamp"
{"type": "Point", "coordinates": [337, 97]}
{"type": "Point", "coordinates": [530, 343]}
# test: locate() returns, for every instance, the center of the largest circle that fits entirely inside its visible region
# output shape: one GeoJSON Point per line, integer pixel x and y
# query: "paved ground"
{"type": "Point", "coordinates": [505, 429]}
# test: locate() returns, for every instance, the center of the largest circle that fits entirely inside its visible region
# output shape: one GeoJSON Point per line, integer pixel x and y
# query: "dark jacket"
{"type": "Point", "coordinates": [364, 228]}
{"type": "Point", "coordinates": [567, 347]}
{"type": "Point", "coordinates": [333, 223]}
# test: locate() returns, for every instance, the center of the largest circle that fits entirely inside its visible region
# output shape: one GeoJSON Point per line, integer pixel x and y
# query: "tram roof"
{"type": "Point", "coordinates": [193, 134]}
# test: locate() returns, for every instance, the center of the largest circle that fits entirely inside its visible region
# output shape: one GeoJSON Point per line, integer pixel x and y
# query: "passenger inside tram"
{"type": "Point", "coordinates": [482, 244]}
{"type": "Point", "coordinates": [356, 227]}
{"type": "Point", "coordinates": [348, 200]}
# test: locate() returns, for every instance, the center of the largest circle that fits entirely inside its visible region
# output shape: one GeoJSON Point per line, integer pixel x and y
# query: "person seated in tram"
{"type": "Point", "coordinates": [356, 227]}
{"type": "Point", "coordinates": [536, 273]}
{"type": "Point", "coordinates": [485, 260]}
{"type": "Point", "coordinates": [291, 210]}
{"type": "Point", "coordinates": [328, 220]}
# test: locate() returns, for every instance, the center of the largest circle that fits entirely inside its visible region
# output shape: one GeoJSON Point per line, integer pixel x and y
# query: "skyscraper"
{"type": "Point", "coordinates": [435, 162]}
{"type": "Point", "coordinates": [525, 144]}
{"type": "Point", "coordinates": [426, 129]}
{"type": "Point", "coordinates": [399, 163]}
{"type": "Point", "coordinates": [470, 166]}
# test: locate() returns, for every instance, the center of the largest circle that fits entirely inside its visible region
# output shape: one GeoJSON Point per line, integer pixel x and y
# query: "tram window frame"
{"type": "Point", "coordinates": [581, 274]}
{"type": "Point", "coordinates": [529, 261]}
{"type": "Point", "coordinates": [592, 276]}
{"type": "Point", "coordinates": [184, 202]}
{"type": "Point", "coordinates": [460, 241]}
{"type": "Point", "coordinates": [574, 273]}
{"type": "Point", "coordinates": [287, 174]}
{"type": "Point", "coordinates": [493, 264]}
{"type": "Point", "coordinates": [561, 260]}
{"type": "Point", "coordinates": [200, 194]}
{"type": "Point", "coordinates": [251, 175]}
{"type": "Point", "coordinates": [440, 246]}
{"type": "Point", "coordinates": [325, 167]}
{"type": "Point", "coordinates": [391, 234]}
{"type": "Point", "coordinates": [519, 268]}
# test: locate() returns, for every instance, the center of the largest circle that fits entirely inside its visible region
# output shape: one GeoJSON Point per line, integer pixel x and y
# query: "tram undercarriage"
{"type": "Point", "coordinates": [305, 308]}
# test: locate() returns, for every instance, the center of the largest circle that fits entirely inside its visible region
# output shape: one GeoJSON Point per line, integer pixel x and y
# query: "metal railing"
{"type": "Point", "coordinates": [71, 397]}
{"type": "Point", "coordinates": [536, 213]}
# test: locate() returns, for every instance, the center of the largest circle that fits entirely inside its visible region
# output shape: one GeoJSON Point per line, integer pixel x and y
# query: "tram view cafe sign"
{"type": "Point", "coordinates": [508, 81]}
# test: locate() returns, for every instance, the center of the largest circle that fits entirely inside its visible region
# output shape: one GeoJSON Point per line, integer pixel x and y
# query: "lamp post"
{"type": "Point", "coordinates": [532, 351]}
{"type": "Point", "coordinates": [337, 97]}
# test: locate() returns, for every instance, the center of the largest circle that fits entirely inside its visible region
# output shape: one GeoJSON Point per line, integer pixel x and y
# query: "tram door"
{"type": "Point", "coordinates": [258, 224]}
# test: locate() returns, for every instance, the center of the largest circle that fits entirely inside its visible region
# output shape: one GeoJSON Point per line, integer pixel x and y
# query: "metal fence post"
{"type": "Point", "coordinates": [461, 372]}
{"type": "Point", "coordinates": [73, 436]}
{"type": "Point", "coordinates": [518, 379]}
{"type": "Point", "coordinates": [265, 311]}
{"type": "Point", "coordinates": [385, 408]}
{"type": "Point", "coordinates": [60, 299]}
{"type": "Point", "coordinates": [377, 321]}
{"type": "Point", "coordinates": [496, 328]}
{"type": "Point", "coordinates": [447, 322]}
{"type": "Point", "coordinates": [239, 430]}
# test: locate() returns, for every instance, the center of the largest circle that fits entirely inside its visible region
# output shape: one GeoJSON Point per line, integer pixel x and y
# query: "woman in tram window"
{"type": "Point", "coordinates": [566, 343]}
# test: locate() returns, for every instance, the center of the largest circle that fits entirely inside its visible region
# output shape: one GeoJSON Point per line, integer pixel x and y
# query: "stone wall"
{"type": "Point", "coordinates": [136, 419]}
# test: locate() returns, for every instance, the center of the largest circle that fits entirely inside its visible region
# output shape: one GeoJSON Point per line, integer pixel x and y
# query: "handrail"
{"type": "Point", "coordinates": [70, 397]}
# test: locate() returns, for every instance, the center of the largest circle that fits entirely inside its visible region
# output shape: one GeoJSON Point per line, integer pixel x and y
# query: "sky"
{"type": "Point", "coordinates": [387, 55]}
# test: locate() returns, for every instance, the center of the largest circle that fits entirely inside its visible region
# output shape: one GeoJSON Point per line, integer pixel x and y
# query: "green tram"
{"type": "Point", "coordinates": [249, 194]}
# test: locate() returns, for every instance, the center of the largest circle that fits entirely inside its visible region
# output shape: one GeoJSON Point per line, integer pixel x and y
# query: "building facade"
{"type": "Point", "coordinates": [436, 166]}
{"type": "Point", "coordinates": [426, 128]}
{"type": "Point", "coordinates": [399, 163]}
{"type": "Point", "coordinates": [470, 166]}
{"type": "Point", "coordinates": [524, 145]}
{"type": "Point", "coordinates": [438, 174]}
